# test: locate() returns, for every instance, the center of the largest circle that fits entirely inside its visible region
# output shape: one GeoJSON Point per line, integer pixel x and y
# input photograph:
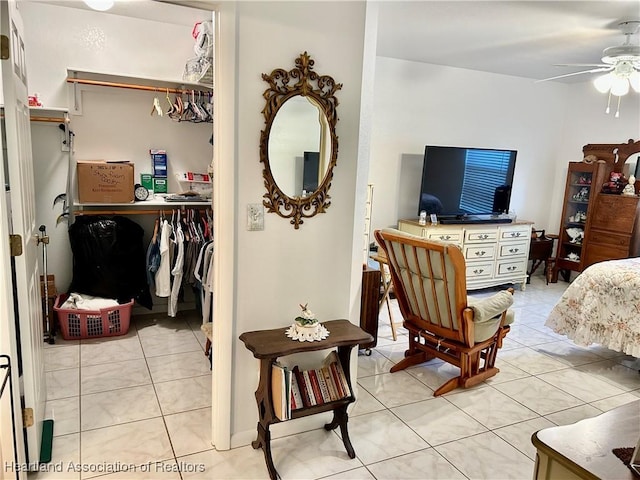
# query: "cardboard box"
{"type": "Point", "coordinates": [105, 182]}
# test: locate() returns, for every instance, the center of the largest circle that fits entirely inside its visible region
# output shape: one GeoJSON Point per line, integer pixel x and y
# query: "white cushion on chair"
{"type": "Point", "coordinates": [487, 312]}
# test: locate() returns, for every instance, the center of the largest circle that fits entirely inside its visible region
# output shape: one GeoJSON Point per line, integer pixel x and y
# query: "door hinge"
{"type": "Point", "coordinates": [4, 47]}
{"type": "Point", "coordinates": [27, 417]}
{"type": "Point", "coordinates": [15, 245]}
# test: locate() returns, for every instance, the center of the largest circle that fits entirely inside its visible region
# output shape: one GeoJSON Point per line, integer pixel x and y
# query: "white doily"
{"type": "Point", "coordinates": [306, 334]}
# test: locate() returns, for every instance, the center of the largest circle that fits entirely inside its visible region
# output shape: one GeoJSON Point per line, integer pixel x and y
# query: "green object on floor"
{"type": "Point", "coordinates": [47, 441]}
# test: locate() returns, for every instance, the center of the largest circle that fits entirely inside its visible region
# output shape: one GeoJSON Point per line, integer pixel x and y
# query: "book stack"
{"type": "Point", "coordinates": [292, 389]}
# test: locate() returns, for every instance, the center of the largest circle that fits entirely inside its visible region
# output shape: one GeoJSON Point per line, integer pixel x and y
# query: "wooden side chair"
{"type": "Point", "coordinates": [430, 284]}
{"type": "Point", "coordinates": [541, 251]}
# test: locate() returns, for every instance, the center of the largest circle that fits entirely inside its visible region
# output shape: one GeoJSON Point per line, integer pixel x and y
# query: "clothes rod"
{"type": "Point", "coordinates": [49, 119]}
{"type": "Point", "coordinates": [134, 212]}
{"type": "Point", "coordinates": [135, 87]}
{"type": "Point", "coordinates": [45, 119]}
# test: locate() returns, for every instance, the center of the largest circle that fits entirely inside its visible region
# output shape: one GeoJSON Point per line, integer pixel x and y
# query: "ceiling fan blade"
{"type": "Point", "coordinates": [581, 65]}
{"type": "Point", "coordinates": [593, 70]}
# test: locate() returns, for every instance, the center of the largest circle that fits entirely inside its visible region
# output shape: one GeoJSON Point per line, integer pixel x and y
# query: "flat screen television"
{"type": "Point", "coordinates": [462, 183]}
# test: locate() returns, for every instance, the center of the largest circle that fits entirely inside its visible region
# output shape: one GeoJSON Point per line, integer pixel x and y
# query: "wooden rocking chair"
{"type": "Point", "coordinates": [430, 284]}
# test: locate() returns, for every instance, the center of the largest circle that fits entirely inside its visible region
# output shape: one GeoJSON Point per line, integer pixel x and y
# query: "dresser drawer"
{"type": "Point", "coordinates": [453, 236]}
{"type": "Point", "coordinates": [412, 229]}
{"type": "Point", "coordinates": [478, 252]}
{"type": "Point", "coordinates": [480, 236]}
{"type": "Point", "coordinates": [514, 233]}
{"type": "Point", "coordinates": [511, 267]}
{"type": "Point", "coordinates": [598, 253]}
{"type": "Point", "coordinates": [515, 249]}
{"type": "Point", "coordinates": [608, 238]}
{"type": "Point", "coordinates": [615, 213]}
{"type": "Point", "coordinates": [479, 270]}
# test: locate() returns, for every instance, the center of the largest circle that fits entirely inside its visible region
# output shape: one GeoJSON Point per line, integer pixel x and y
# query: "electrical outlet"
{"type": "Point", "coordinates": [255, 216]}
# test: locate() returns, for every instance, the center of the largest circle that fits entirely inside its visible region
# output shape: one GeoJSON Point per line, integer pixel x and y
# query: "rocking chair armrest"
{"type": "Point", "coordinates": [487, 308]}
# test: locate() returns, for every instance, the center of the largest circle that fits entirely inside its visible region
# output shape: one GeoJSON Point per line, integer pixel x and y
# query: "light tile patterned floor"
{"type": "Point", "coordinates": [146, 398]}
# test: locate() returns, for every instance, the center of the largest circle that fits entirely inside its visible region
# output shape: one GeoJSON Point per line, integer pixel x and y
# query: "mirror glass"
{"type": "Point", "coordinates": [297, 146]}
{"type": "Point", "coordinates": [631, 166]}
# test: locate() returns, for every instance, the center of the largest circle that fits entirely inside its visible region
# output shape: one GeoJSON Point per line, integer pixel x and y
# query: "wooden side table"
{"type": "Point", "coordinates": [269, 345]}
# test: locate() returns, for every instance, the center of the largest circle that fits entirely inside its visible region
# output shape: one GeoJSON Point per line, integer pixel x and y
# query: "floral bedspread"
{"type": "Point", "coordinates": [602, 305]}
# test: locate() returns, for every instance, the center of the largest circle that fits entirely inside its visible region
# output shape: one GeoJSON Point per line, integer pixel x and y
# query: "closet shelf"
{"type": "Point", "coordinates": [49, 114]}
{"type": "Point", "coordinates": [86, 77]}
{"type": "Point", "coordinates": [155, 203]}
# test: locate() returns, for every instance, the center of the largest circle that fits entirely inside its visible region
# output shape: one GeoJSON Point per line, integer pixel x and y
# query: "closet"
{"type": "Point", "coordinates": [120, 78]}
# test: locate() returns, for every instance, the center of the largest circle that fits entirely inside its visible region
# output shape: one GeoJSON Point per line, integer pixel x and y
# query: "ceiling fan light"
{"type": "Point", "coordinates": [620, 86]}
{"type": "Point", "coordinates": [100, 5]}
{"type": "Point", "coordinates": [603, 83]}
{"type": "Point", "coordinates": [634, 81]}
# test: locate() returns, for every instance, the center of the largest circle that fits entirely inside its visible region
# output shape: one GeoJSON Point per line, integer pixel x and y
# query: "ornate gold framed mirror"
{"type": "Point", "coordinates": [299, 145]}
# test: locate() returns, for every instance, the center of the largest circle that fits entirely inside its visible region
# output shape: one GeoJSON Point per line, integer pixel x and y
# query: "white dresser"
{"type": "Point", "coordinates": [495, 253]}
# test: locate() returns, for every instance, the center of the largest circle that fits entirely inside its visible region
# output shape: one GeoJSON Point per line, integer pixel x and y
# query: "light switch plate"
{"type": "Point", "coordinates": [255, 216]}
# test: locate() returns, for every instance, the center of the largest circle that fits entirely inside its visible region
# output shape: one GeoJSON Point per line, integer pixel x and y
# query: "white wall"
{"type": "Point", "coordinates": [281, 267]}
{"type": "Point", "coordinates": [548, 123]}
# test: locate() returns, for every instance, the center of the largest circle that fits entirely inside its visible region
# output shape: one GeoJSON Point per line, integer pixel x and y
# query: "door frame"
{"type": "Point", "coordinates": [225, 224]}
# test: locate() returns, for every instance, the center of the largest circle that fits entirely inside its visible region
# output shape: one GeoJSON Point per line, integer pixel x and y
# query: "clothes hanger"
{"type": "Point", "coordinates": [178, 107]}
{"type": "Point", "coordinates": [156, 106]}
{"type": "Point", "coordinates": [171, 108]}
{"type": "Point", "coordinates": [154, 239]}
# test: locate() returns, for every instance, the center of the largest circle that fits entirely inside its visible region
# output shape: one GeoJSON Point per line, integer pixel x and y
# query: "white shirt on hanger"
{"type": "Point", "coordinates": [176, 272]}
{"type": "Point", "coordinates": [163, 275]}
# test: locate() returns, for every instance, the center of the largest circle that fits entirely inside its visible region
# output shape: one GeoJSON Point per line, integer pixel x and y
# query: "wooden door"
{"type": "Point", "coordinates": [22, 223]}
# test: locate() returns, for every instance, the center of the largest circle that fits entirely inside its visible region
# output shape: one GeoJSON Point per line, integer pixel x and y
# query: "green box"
{"type": "Point", "coordinates": [159, 185]}
{"type": "Point", "coordinates": [146, 180]}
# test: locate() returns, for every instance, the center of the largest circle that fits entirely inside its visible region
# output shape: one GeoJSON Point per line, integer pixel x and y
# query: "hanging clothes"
{"type": "Point", "coordinates": [176, 272]}
{"type": "Point", "coordinates": [153, 256]}
{"type": "Point", "coordinates": [203, 272]}
{"type": "Point", "coordinates": [163, 275]}
{"type": "Point", "coordinates": [207, 290]}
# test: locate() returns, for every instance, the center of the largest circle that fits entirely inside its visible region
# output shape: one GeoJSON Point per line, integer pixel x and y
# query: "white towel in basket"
{"type": "Point", "coordinates": [80, 301]}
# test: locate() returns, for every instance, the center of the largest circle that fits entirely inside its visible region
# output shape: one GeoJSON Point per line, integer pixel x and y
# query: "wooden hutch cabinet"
{"type": "Point", "coordinates": [597, 226]}
{"type": "Point", "coordinates": [612, 232]}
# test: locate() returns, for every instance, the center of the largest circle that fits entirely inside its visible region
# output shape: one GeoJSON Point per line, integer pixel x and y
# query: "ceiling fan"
{"type": "Point", "coordinates": [623, 59]}
{"type": "Point", "coordinates": [620, 65]}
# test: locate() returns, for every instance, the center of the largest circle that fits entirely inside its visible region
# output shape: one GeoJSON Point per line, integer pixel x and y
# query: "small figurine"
{"type": "Point", "coordinates": [615, 183]}
{"type": "Point", "coordinates": [307, 317]}
{"type": "Point", "coordinates": [584, 180]}
{"type": "Point", "coordinates": [306, 327]}
{"type": "Point", "coordinates": [576, 235]}
{"type": "Point", "coordinates": [582, 195]}
{"type": "Point", "coordinates": [629, 188]}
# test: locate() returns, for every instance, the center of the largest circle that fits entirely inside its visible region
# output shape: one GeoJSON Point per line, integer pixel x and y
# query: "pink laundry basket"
{"type": "Point", "coordinates": [78, 324]}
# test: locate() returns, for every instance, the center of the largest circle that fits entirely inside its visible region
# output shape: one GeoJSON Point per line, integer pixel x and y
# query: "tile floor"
{"type": "Point", "coordinates": [146, 398]}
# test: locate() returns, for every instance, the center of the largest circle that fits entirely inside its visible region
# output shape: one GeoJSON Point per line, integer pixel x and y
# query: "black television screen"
{"type": "Point", "coordinates": [459, 181]}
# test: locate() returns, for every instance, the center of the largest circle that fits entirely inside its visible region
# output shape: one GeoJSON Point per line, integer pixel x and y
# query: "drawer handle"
{"type": "Point", "coordinates": [512, 268]}
{"type": "Point", "coordinates": [480, 254]}
{"type": "Point", "coordinates": [478, 271]}
{"type": "Point", "coordinates": [483, 237]}
{"type": "Point", "coordinates": [445, 237]}
{"type": "Point", "coordinates": [515, 234]}
{"type": "Point", "coordinates": [514, 250]}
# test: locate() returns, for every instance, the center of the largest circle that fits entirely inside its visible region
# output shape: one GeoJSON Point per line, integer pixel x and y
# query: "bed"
{"type": "Point", "coordinates": [602, 305]}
